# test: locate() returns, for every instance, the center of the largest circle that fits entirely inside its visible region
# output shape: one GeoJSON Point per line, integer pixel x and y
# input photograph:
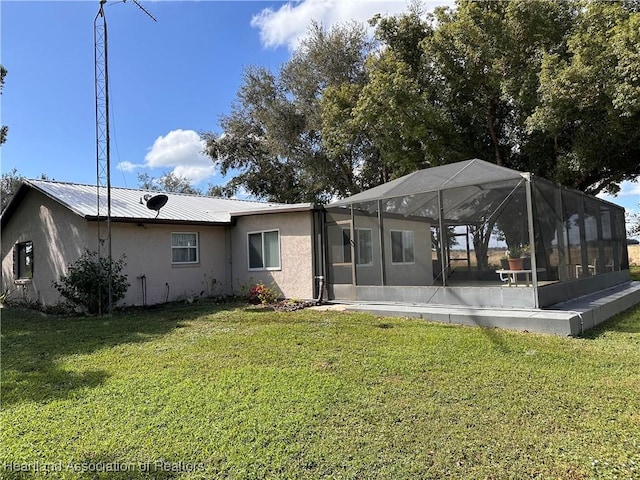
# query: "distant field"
{"type": "Point", "coordinates": [634, 255]}
{"type": "Point", "coordinates": [495, 254]}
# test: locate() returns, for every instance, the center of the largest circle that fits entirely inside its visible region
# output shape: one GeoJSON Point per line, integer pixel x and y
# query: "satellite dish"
{"type": "Point", "coordinates": [156, 202]}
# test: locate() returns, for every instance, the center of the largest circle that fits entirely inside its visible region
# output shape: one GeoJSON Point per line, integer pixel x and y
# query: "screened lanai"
{"type": "Point", "coordinates": [442, 236]}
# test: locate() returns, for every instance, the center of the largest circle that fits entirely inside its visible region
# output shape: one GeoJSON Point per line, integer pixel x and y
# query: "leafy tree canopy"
{"type": "Point", "coordinates": [273, 136]}
{"type": "Point", "coordinates": [551, 87]}
{"type": "Point", "coordinates": [3, 129]}
{"type": "Point", "coordinates": [168, 182]}
{"type": "Point", "coordinates": [590, 99]}
{"type": "Point", "coordinates": [10, 183]}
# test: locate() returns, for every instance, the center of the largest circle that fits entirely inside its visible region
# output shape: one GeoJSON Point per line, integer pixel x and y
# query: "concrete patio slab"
{"type": "Point", "coordinates": [568, 318]}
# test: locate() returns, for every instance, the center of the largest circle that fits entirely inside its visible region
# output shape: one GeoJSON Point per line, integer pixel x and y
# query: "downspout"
{"type": "Point", "coordinates": [320, 279]}
{"type": "Point", "coordinates": [319, 252]}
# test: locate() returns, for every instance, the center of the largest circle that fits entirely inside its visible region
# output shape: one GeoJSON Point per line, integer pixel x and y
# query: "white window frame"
{"type": "Point", "coordinates": [262, 235]}
{"type": "Point", "coordinates": [196, 247]}
{"type": "Point", "coordinates": [405, 234]}
{"type": "Point", "coordinates": [24, 261]}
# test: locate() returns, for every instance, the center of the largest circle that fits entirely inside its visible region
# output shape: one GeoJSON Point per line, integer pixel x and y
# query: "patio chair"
{"type": "Point", "coordinates": [590, 268]}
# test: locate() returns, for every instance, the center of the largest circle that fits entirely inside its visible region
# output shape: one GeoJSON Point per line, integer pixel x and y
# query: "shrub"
{"type": "Point", "coordinates": [260, 293]}
{"type": "Point", "coordinates": [86, 283]}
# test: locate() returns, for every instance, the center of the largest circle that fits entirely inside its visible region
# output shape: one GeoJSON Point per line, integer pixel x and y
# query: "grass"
{"type": "Point", "coordinates": [207, 391]}
{"type": "Point", "coordinates": [635, 272]}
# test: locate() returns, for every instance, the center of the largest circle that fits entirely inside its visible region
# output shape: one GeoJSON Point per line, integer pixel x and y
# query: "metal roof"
{"type": "Point", "coordinates": [129, 204]}
{"type": "Point", "coordinates": [453, 175]}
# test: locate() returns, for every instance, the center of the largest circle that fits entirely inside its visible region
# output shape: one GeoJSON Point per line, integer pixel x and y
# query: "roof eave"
{"type": "Point", "coordinates": [303, 207]}
{"type": "Point", "coordinates": [158, 221]}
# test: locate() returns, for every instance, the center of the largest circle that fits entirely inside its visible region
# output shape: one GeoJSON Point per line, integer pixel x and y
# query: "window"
{"type": "Point", "coordinates": [346, 245]}
{"type": "Point", "coordinates": [363, 247]}
{"type": "Point", "coordinates": [264, 250]}
{"type": "Point", "coordinates": [23, 260]}
{"type": "Point", "coordinates": [402, 246]}
{"type": "Point", "coordinates": [184, 248]}
{"type": "Point", "coordinates": [364, 250]}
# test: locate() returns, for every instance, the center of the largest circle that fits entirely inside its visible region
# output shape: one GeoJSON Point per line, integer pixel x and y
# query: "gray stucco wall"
{"type": "Point", "coordinates": [148, 253]}
{"type": "Point", "coordinates": [295, 277]}
{"type": "Point", "coordinates": [58, 237]}
{"type": "Point", "coordinates": [419, 272]}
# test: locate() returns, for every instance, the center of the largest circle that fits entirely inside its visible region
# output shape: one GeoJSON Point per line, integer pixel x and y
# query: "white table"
{"type": "Point", "coordinates": [512, 276]}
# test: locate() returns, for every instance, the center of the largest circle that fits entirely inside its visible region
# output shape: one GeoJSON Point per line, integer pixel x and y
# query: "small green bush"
{"type": "Point", "coordinates": [86, 283]}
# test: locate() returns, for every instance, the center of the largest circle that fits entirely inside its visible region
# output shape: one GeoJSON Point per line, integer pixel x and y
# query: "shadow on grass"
{"type": "Point", "coordinates": [32, 346]}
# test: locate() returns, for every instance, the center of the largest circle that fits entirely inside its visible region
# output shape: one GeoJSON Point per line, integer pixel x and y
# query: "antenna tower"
{"type": "Point", "coordinates": [103, 157]}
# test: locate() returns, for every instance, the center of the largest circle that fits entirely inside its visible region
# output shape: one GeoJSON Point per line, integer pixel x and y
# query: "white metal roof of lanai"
{"type": "Point", "coordinates": [129, 204]}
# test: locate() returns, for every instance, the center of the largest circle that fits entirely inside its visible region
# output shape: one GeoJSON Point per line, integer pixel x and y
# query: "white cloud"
{"type": "Point", "coordinates": [630, 188]}
{"type": "Point", "coordinates": [195, 173]}
{"type": "Point", "coordinates": [627, 189]}
{"type": "Point", "coordinates": [628, 197]}
{"type": "Point", "coordinates": [179, 150]}
{"type": "Point", "coordinates": [288, 25]}
{"type": "Point", "coordinates": [128, 166]}
{"type": "Point", "coordinates": [178, 147]}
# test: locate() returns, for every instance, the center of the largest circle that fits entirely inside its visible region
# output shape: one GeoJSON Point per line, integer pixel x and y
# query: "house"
{"type": "Point", "coordinates": [434, 236]}
{"type": "Point", "coordinates": [191, 246]}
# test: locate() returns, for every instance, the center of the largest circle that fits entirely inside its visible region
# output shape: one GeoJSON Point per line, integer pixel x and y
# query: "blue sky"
{"type": "Point", "coordinates": [168, 80]}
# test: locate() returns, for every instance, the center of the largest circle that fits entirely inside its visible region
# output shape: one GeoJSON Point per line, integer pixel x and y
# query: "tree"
{"type": "Point", "coordinates": [3, 129]}
{"type": "Point", "coordinates": [11, 181]}
{"type": "Point", "coordinates": [450, 86]}
{"type": "Point", "coordinates": [590, 99]}
{"type": "Point", "coordinates": [390, 121]}
{"type": "Point", "coordinates": [633, 222]}
{"type": "Point", "coordinates": [456, 85]}
{"type": "Point", "coordinates": [486, 57]}
{"type": "Point", "coordinates": [273, 135]}
{"type": "Point", "coordinates": [548, 87]}
{"type": "Point", "coordinates": [168, 182]}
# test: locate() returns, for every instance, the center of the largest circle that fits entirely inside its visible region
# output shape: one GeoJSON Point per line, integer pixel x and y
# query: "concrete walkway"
{"type": "Point", "coordinates": [567, 318]}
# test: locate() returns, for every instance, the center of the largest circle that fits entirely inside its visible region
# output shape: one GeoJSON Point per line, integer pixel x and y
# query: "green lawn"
{"type": "Point", "coordinates": [210, 391]}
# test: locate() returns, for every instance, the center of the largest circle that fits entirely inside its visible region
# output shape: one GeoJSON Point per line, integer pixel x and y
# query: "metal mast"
{"type": "Point", "coordinates": [103, 157]}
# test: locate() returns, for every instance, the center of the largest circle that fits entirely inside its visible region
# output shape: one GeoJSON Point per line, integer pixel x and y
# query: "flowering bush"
{"type": "Point", "coordinates": [260, 293]}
